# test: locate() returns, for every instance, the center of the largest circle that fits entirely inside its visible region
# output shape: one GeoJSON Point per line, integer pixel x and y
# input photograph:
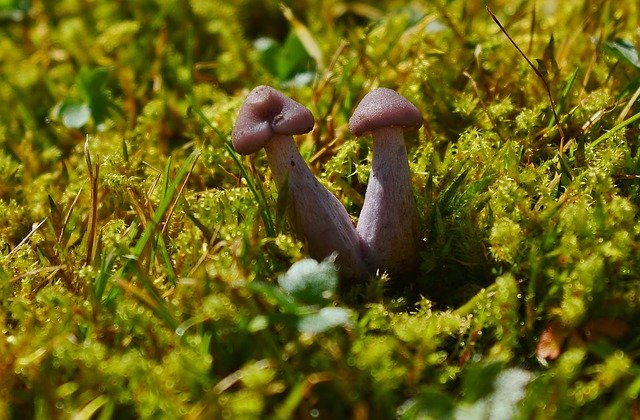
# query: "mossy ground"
{"type": "Point", "coordinates": [139, 263]}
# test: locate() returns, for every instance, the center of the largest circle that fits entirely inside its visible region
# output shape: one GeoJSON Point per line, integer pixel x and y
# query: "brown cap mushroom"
{"type": "Point", "coordinates": [269, 119]}
{"type": "Point", "coordinates": [266, 113]}
{"type": "Point", "coordinates": [389, 223]}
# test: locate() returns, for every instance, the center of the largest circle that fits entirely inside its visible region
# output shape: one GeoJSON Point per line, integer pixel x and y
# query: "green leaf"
{"type": "Point", "coordinates": [478, 382]}
{"type": "Point", "coordinates": [74, 114]}
{"type": "Point", "coordinates": [267, 53]}
{"type": "Point", "coordinates": [14, 9]}
{"type": "Point", "coordinates": [509, 387]}
{"type": "Point", "coordinates": [91, 82]}
{"type": "Point", "coordinates": [429, 403]}
{"type": "Point", "coordinates": [287, 61]}
{"type": "Point", "coordinates": [292, 58]}
{"type": "Point", "coordinates": [324, 319]}
{"type": "Point", "coordinates": [623, 50]}
{"type": "Point", "coordinates": [91, 85]}
{"type": "Point", "coordinates": [310, 281]}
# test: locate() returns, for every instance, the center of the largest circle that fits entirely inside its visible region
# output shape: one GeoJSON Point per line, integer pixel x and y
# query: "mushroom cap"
{"type": "Point", "coordinates": [383, 107]}
{"type": "Point", "coordinates": [265, 113]}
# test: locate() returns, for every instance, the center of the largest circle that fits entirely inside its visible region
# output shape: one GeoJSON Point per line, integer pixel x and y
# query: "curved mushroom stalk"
{"type": "Point", "coordinates": [315, 214]}
{"type": "Point", "coordinates": [389, 222]}
{"type": "Point", "coordinates": [269, 119]}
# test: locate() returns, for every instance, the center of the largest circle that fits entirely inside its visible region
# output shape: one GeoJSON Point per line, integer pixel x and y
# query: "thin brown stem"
{"type": "Point", "coordinates": [538, 73]}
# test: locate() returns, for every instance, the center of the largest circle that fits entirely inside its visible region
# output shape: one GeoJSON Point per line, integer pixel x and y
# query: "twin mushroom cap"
{"type": "Point", "coordinates": [387, 237]}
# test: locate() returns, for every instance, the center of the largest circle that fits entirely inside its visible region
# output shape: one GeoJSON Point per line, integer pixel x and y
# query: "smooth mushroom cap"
{"type": "Point", "coordinates": [383, 107]}
{"type": "Point", "coordinates": [267, 112]}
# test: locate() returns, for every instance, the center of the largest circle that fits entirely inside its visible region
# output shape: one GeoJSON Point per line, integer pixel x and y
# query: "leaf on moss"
{"type": "Point", "coordinates": [324, 319]}
{"type": "Point", "coordinates": [74, 114]}
{"type": "Point", "coordinates": [623, 50]}
{"type": "Point", "coordinates": [91, 84]}
{"type": "Point", "coordinates": [285, 61]}
{"type": "Point", "coordinates": [310, 281]}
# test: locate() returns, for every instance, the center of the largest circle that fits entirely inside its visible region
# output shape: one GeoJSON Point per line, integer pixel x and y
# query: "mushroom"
{"type": "Point", "coordinates": [389, 223]}
{"type": "Point", "coordinates": [269, 119]}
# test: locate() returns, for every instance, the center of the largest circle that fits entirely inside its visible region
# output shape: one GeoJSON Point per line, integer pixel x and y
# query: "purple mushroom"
{"type": "Point", "coordinates": [269, 119]}
{"type": "Point", "coordinates": [389, 222]}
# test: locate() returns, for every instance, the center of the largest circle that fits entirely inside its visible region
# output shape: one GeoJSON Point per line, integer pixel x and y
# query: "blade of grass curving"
{"type": "Point", "coordinates": [208, 234]}
{"type": "Point", "coordinates": [484, 105]}
{"type": "Point", "coordinates": [264, 207]}
{"type": "Point", "coordinates": [629, 104]}
{"type": "Point", "coordinates": [179, 196]}
{"type": "Point", "coordinates": [565, 93]}
{"type": "Point", "coordinates": [159, 305]}
{"type": "Point", "coordinates": [305, 37]}
{"type": "Point", "coordinates": [292, 401]}
{"type": "Point", "coordinates": [259, 196]}
{"type": "Point", "coordinates": [448, 194]}
{"type": "Point", "coordinates": [616, 128]}
{"type": "Point", "coordinates": [149, 298]}
{"type": "Point", "coordinates": [166, 179]}
{"type": "Point", "coordinates": [164, 204]}
{"type": "Point", "coordinates": [92, 222]}
{"type": "Point", "coordinates": [100, 283]}
{"type": "Point", "coordinates": [163, 248]}
{"type": "Point", "coordinates": [153, 227]}
{"type": "Point", "coordinates": [167, 176]}
{"type": "Point", "coordinates": [166, 260]}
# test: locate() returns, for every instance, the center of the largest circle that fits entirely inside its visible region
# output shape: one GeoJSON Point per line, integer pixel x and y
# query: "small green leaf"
{"type": "Point", "coordinates": [292, 58]}
{"type": "Point", "coordinates": [310, 281]}
{"type": "Point", "coordinates": [14, 9]}
{"type": "Point", "coordinates": [542, 67]}
{"type": "Point", "coordinates": [91, 81]}
{"type": "Point", "coordinates": [479, 380]}
{"type": "Point", "coordinates": [623, 50]}
{"type": "Point", "coordinates": [289, 61]}
{"type": "Point", "coordinates": [74, 114]}
{"type": "Point", "coordinates": [429, 403]}
{"type": "Point", "coordinates": [324, 319]}
{"type": "Point", "coordinates": [91, 84]}
{"type": "Point", "coordinates": [508, 389]}
{"type": "Point", "coordinates": [267, 52]}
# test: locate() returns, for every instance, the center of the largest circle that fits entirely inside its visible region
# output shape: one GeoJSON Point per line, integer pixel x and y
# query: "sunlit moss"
{"type": "Point", "coordinates": [522, 240]}
{"type": "Point", "coordinates": [118, 35]}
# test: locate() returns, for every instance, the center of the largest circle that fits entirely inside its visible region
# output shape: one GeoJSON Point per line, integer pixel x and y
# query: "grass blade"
{"type": "Point", "coordinates": [259, 196]}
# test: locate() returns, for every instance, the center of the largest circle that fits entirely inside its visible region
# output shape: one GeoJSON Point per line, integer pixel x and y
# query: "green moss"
{"type": "Point", "coordinates": [530, 261]}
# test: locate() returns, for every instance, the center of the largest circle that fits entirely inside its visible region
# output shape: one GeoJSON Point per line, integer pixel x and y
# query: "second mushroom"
{"type": "Point", "coordinates": [389, 223]}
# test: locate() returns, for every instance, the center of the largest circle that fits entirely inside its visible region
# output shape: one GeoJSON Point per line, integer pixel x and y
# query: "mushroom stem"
{"type": "Point", "coordinates": [389, 221]}
{"type": "Point", "coordinates": [316, 214]}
